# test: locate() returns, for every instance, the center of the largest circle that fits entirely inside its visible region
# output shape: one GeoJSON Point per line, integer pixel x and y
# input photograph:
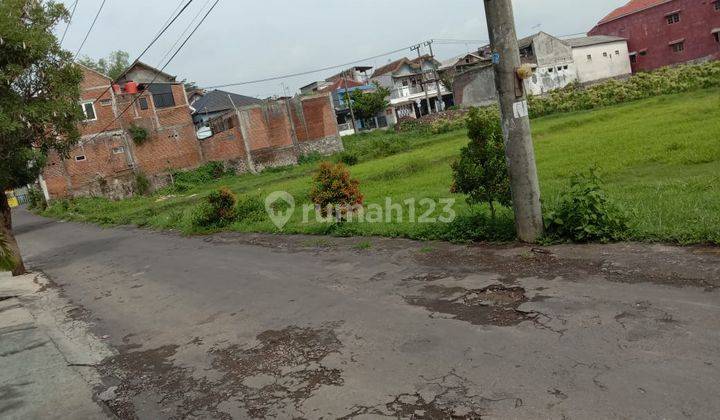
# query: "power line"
{"type": "Point", "coordinates": [167, 26]}
{"type": "Point", "coordinates": [185, 31]}
{"type": "Point", "coordinates": [157, 73]}
{"type": "Point", "coordinates": [305, 73]}
{"type": "Point", "coordinates": [69, 21]}
{"type": "Point", "coordinates": [90, 30]}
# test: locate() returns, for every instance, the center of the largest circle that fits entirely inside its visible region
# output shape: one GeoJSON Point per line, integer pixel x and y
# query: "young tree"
{"type": "Point", "coordinates": [116, 63]}
{"type": "Point", "coordinates": [482, 172]}
{"type": "Point", "coordinates": [39, 91]}
{"type": "Point", "coordinates": [367, 105]}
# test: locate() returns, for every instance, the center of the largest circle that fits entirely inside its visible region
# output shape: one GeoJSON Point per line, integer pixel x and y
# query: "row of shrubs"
{"type": "Point", "coordinates": [664, 81]}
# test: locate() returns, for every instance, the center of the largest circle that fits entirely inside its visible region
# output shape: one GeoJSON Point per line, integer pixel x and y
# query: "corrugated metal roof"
{"type": "Point", "coordinates": [587, 41]}
{"type": "Point", "coordinates": [217, 100]}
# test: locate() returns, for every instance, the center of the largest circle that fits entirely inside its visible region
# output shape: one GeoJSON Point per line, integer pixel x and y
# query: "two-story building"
{"type": "Point", "coordinates": [665, 32]}
{"type": "Point", "coordinates": [413, 87]}
{"type": "Point", "coordinates": [139, 124]}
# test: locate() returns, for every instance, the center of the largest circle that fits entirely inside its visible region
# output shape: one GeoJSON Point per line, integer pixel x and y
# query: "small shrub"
{"type": "Point", "coordinates": [585, 213]}
{"type": "Point", "coordinates": [36, 200]}
{"type": "Point", "coordinates": [250, 209]}
{"type": "Point", "coordinates": [216, 211]}
{"type": "Point", "coordinates": [142, 184]}
{"type": "Point", "coordinates": [332, 186]}
{"type": "Point", "coordinates": [349, 158]}
{"type": "Point", "coordinates": [481, 171]}
{"type": "Point", "coordinates": [209, 172]}
{"type": "Point", "coordinates": [138, 134]}
{"type": "Point", "coordinates": [312, 157]}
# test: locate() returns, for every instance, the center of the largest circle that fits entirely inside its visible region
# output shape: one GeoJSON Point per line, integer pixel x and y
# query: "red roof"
{"type": "Point", "coordinates": [340, 84]}
{"type": "Point", "coordinates": [634, 6]}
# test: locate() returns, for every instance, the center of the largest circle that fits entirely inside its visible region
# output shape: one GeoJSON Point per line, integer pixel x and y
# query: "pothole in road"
{"type": "Point", "coordinates": [280, 373]}
{"type": "Point", "coordinates": [492, 305]}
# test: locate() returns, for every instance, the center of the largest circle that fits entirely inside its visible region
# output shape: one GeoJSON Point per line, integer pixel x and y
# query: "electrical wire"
{"type": "Point", "coordinates": [157, 73]}
{"type": "Point", "coordinates": [169, 23]}
{"type": "Point", "coordinates": [69, 21]}
{"type": "Point", "coordinates": [187, 28]}
{"type": "Point", "coordinates": [102, 5]}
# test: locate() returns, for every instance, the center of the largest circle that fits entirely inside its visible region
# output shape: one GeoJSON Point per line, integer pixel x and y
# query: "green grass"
{"type": "Point", "coordinates": [660, 159]}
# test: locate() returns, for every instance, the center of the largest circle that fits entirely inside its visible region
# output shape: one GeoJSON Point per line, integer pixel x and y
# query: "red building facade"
{"type": "Point", "coordinates": [665, 32]}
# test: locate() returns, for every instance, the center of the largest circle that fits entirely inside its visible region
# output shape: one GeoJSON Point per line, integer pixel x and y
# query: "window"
{"type": "Point", "coordinates": [80, 158]}
{"type": "Point", "coordinates": [717, 36]}
{"type": "Point", "coordinates": [550, 70]}
{"type": "Point", "coordinates": [589, 57]}
{"type": "Point", "coordinates": [162, 95]}
{"type": "Point", "coordinates": [118, 150]}
{"type": "Point", "coordinates": [678, 47]}
{"type": "Point", "coordinates": [617, 52]}
{"type": "Point", "coordinates": [717, 5]}
{"type": "Point", "coordinates": [88, 109]}
{"type": "Point", "coordinates": [565, 67]}
{"type": "Point", "coordinates": [633, 58]}
{"type": "Point", "coordinates": [605, 54]}
{"type": "Point", "coordinates": [643, 53]}
{"type": "Point", "coordinates": [559, 68]}
{"type": "Point", "coordinates": [143, 103]}
{"type": "Point", "coordinates": [673, 18]}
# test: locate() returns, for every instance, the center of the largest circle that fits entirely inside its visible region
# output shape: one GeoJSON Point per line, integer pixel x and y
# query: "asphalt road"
{"type": "Point", "coordinates": [270, 326]}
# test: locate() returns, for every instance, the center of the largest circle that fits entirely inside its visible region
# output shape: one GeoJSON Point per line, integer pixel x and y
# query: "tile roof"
{"type": "Point", "coordinates": [586, 41]}
{"type": "Point", "coordinates": [217, 100]}
{"type": "Point", "coordinates": [634, 6]}
{"type": "Point", "coordinates": [340, 84]}
{"type": "Point", "coordinates": [390, 67]}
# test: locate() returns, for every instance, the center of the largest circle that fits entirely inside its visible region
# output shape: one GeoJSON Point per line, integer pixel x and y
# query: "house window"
{"type": "Point", "coordinates": [605, 54]}
{"type": "Point", "coordinates": [717, 5]}
{"type": "Point", "coordinates": [643, 53]}
{"type": "Point", "coordinates": [143, 103]}
{"type": "Point", "coordinates": [633, 58]}
{"type": "Point", "coordinates": [565, 67]}
{"type": "Point", "coordinates": [88, 109]}
{"type": "Point", "coordinates": [617, 52]}
{"type": "Point", "coordinates": [118, 150]}
{"type": "Point", "coordinates": [162, 95]}
{"type": "Point", "coordinates": [673, 18]}
{"type": "Point", "coordinates": [717, 35]}
{"type": "Point", "coordinates": [678, 47]}
{"type": "Point", "coordinates": [589, 57]}
{"type": "Point", "coordinates": [80, 158]}
{"type": "Point", "coordinates": [550, 70]}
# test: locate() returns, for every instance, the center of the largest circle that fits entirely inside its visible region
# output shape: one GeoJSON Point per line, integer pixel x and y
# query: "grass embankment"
{"type": "Point", "coordinates": [660, 159]}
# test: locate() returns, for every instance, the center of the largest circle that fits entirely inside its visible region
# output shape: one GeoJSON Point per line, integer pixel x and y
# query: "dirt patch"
{"type": "Point", "coordinates": [492, 305]}
{"type": "Point", "coordinates": [283, 371]}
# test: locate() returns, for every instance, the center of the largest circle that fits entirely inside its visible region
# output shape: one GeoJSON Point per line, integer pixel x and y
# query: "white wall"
{"type": "Point", "coordinates": [616, 63]}
{"type": "Point", "coordinates": [555, 76]}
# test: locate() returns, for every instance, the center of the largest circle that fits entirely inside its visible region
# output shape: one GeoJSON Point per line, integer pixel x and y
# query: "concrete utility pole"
{"type": "Point", "coordinates": [347, 97]}
{"type": "Point", "coordinates": [440, 103]}
{"type": "Point", "coordinates": [422, 80]}
{"type": "Point", "coordinates": [515, 121]}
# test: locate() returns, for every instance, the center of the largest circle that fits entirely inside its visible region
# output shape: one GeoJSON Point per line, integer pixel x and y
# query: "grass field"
{"type": "Point", "coordinates": [660, 159]}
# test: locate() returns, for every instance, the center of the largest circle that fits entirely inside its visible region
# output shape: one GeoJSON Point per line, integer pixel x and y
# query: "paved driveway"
{"type": "Point", "coordinates": [270, 326]}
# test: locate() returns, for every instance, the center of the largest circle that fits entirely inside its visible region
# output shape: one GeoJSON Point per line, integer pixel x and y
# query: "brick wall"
{"type": "Point", "coordinates": [105, 162]}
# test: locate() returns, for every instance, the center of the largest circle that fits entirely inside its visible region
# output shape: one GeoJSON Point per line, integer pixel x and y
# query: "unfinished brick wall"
{"type": "Point", "coordinates": [106, 162]}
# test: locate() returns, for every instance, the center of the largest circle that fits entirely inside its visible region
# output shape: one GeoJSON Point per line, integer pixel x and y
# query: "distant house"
{"type": "Point", "coordinates": [600, 57]}
{"type": "Point", "coordinates": [553, 62]}
{"type": "Point", "coordinates": [338, 89]}
{"type": "Point", "coordinates": [217, 102]}
{"type": "Point", "coordinates": [357, 74]}
{"type": "Point", "coordinates": [413, 88]}
{"type": "Point", "coordinates": [665, 32]}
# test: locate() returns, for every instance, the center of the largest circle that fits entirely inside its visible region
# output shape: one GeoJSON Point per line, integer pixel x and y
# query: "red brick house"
{"type": "Point", "coordinates": [665, 32]}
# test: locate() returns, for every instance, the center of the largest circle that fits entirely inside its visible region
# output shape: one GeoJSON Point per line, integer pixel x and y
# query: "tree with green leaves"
{"type": "Point", "coordinates": [482, 172]}
{"type": "Point", "coordinates": [113, 66]}
{"type": "Point", "coordinates": [368, 105]}
{"type": "Point", "coordinates": [39, 91]}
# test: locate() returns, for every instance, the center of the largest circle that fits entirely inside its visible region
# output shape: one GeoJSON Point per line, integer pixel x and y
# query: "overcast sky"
{"type": "Point", "coordinates": [249, 40]}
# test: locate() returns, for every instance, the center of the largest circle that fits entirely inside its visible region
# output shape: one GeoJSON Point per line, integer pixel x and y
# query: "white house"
{"type": "Point", "coordinates": [553, 63]}
{"type": "Point", "coordinates": [413, 88]}
{"type": "Point", "coordinates": [600, 57]}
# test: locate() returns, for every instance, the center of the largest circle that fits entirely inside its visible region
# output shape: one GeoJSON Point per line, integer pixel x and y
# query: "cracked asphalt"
{"type": "Point", "coordinates": [264, 326]}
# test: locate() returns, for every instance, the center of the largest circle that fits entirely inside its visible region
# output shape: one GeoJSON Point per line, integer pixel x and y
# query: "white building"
{"type": "Point", "coordinates": [552, 59]}
{"type": "Point", "coordinates": [600, 57]}
{"type": "Point", "coordinates": [413, 88]}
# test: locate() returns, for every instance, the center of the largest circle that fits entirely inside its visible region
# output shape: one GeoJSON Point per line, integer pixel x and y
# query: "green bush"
{"type": "Point", "coordinates": [309, 158]}
{"type": "Point", "coordinates": [481, 172]}
{"type": "Point", "coordinates": [666, 80]}
{"type": "Point", "coordinates": [138, 134]}
{"type": "Point", "coordinates": [333, 186]}
{"type": "Point", "coordinates": [348, 158]}
{"type": "Point", "coordinates": [216, 211]}
{"type": "Point", "coordinates": [250, 209]}
{"type": "Point", "coordinates": [209, 172]}
{"type": "Point", "coordinates": [585, 213]}
{"type": "Point", "coordinates": [142, 184]}
{"type": "Point", "coordinates": [36, 200]}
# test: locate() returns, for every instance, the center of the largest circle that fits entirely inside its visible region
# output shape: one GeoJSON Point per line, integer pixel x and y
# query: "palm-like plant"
{"type": "Point", "coordinates": [6, 259]}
